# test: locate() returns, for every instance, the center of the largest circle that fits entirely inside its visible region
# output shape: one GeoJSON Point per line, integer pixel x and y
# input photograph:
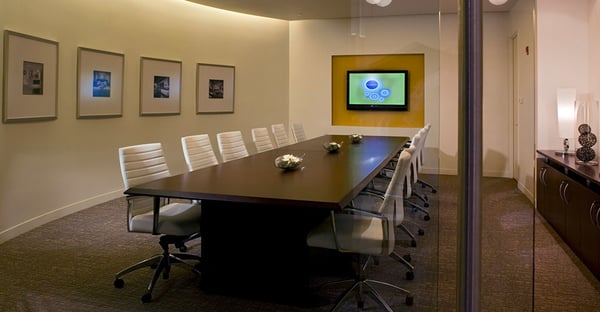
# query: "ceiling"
{"type": "Point", "coordinates": [327, 9]}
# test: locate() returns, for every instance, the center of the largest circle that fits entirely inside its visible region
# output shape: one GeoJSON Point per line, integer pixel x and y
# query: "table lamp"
{"type": "Point", "coordinates": [565, 101]}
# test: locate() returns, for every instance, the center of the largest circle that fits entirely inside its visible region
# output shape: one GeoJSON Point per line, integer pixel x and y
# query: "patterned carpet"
{"type": "Point", "coordinates": [69, 264]}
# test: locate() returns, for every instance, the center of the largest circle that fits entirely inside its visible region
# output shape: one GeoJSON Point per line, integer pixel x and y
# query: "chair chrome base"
{"type": "Point", "coordinates": [362, 286]}
{"type": "Point", "coordinates": [162, 262]}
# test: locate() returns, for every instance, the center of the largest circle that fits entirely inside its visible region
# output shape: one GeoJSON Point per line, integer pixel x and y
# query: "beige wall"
{"type": "Point", "coordinates": [562, 61]}
{"type": "Point", "coordinates": [313, 42]}
{"type": "Point", "coordinates": [437, 37]}
{"type": "Point", "coordinates": [52, 168]}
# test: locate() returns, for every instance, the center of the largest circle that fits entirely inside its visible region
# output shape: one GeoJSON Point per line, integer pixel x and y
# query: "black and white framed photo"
{"type": "Point", "coordinates": [160, 90]}
{"type": "Point", "coordinates": [215, 88]}
{"type": "Point", "coordinates": [99, 83]}
{"type": "Point", "coordinates": [30, 78]}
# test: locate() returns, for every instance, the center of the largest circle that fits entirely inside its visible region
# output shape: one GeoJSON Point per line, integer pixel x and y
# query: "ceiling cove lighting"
{"type": "Point", "coordinates": [382, 3]}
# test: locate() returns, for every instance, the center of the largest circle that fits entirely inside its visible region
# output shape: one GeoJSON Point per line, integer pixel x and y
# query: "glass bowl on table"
{"type": "Point", "coordinates": [288, 162]}
{"type": "Point", "coordinates": [356, 138]}
{"type": "Point", "coordinates": [333, 147]}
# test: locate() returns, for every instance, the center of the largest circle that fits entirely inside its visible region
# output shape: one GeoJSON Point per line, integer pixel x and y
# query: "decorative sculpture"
{"type": "Point", "coordinates": [586, 154]}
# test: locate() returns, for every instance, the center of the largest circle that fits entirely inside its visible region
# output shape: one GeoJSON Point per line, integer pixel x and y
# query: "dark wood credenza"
{"type": "Point", "coordinates": [568, 197]}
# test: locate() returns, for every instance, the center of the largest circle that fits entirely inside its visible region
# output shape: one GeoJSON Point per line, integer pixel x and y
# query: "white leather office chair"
{"type": "Point", "coordinates": [198, 152]}
{"type": "Point", "coordinates": [365, 201]}
{"type": "Point", "coordinates": [280, 134]}
{"type": "Point", "coordinates": [364, 233]}
{"type": "Point", "coordinates": [298, 132]}
{"type": "Point", "coordinates": [417, 142]}
{"type": "Point", "coordinates": [176, 223]}
{"type": "Point", "coordinates": [261, 139]}
{"type": "Point", "coordinates": [231, 145]}
{"type": "Point", "coordinates": [424, 184]}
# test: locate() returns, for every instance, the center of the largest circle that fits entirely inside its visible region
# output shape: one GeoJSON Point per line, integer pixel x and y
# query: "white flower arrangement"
{"type": "Point", "coordinates": [356, 138]}
{"type": "Point", "coordinates": [288, 161]}
{"type": "Point", "coordinates": [332, 146]}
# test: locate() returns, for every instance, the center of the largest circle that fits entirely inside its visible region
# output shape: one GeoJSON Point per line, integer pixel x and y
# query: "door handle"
{"type": "Point", "coordinates": [593, 219]}
{"type": "Point", "coordinates": [563, 191]}
{"type": "Point", "coordinates": [543, 172]}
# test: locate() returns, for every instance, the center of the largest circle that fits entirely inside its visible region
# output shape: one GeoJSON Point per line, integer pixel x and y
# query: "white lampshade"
{"type": "Point", "coordinates": [498, 2]}
{"type": "Point", "coordinates": [384, 3]}
{"type": "Point", "coordinates": [565, 101]}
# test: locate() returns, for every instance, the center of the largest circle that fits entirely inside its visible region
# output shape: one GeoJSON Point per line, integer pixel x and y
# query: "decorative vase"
{"type": "Point", "coordinates": [586, 154]}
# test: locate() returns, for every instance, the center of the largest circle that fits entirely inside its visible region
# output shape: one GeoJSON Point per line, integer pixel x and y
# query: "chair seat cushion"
{"type": "Point", "coordinates": [180, 219]}
{"type": "Point", "coordinates": [355, 233]}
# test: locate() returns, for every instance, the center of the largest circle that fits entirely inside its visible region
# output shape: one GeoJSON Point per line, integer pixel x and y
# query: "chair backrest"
{"type": "Point", "coordinates": [298, 132]}
{"type": "Point", "coordinates": [198, 151]}
{"type": "Point", "coordinates": [417, 141]}
{"type": "Point", "coordinates": [408, 177]}
{"type": "Point", "coordinates": [280, 134]}
{"type": "Point", "coordinates": [425, 133]}
{"type": "Point", "coordinates": [142, 163]}
{"type": "Point", "coordinates": [392, 205]}
{"type": "Point", "coordinates": [231, 145]}
{"type": "Point", "coordinates": [262, 139]}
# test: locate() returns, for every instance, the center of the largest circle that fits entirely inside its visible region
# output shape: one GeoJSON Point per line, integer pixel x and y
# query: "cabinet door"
{"type": "Point", "coordinates": [542, 188]}
{"type": "Point", "coordinates": [590, 235]}
{"type": "Point", "coordinates": [575, 201]}
{"type": "Point", "coordinates": [555, 202]}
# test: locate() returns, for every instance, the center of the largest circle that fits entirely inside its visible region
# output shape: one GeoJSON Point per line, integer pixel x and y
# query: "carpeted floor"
{"type": "Point", "coordinates": [69, 264]}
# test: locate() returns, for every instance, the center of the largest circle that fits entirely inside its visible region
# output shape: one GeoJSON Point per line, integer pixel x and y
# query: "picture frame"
{"type": "Point", "coordinates": [215, 89]}
{"type": "Point", "coordinates": [30, 81]}
{"type": "Point", "coordinates": [160, 87]}
{"type": "Point", "coordinates": [99, 83]}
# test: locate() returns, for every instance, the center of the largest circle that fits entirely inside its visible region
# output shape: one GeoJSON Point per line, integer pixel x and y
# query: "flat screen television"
{"type": "Point", "coordinates": [385, 90]}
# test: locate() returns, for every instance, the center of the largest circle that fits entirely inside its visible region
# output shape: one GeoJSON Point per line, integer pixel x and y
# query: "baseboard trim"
{"type": "Point", "coordinates": [32, 223]}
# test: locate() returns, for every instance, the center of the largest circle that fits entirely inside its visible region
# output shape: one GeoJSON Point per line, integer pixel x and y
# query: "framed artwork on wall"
{"type": "Point", "coordinates": [215, 88]}
{"type": "Point", "coordinates": [160, 89]}
{"type": "Point", "coordinates": [99, 83]}
{"type": "Point", "coordinates": [30, 85]}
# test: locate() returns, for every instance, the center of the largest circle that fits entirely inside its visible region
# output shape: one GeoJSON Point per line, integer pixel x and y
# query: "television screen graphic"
{"type": "Point", "coordinates": [377, 90]}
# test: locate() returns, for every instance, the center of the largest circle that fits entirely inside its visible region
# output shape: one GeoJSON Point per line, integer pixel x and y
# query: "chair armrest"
{"type": "Point", "coordinates": [384, 225]}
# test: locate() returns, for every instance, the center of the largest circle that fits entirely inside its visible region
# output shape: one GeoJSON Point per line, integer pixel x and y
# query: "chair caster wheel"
{"type": "Point", "coordinates": [119, 283]}
{"type": "Point", "coordinates": [426, 217]}
{"type": "Point", "coordinates": [409, 300]}
{"type": "Point", "coordinates": [413, 243]}
{"type": "Point", "coordinates": [147, 298]}
{"type": "Point", "coordinates": [433, 191]}
{"type": "Point", "coordinates": [410, 275]}
{"type": "Point", "coordinates": [426, 205]}
{"type": "Point", "coordinates": [421, 232]}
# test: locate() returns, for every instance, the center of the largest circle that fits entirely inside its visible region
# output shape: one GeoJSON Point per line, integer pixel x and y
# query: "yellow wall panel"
{"type": "Point", "coordinates": [413, 118]}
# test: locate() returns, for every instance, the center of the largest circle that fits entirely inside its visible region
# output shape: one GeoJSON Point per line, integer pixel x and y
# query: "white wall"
{"type": "Point", "coordinates": [53, 168]}
{"type": "Point", "coordinates": [562, 61]}
{"type": "Point", "coordinates": [314, 42]}
{"type": "Point", "coordinates": [594, 60]}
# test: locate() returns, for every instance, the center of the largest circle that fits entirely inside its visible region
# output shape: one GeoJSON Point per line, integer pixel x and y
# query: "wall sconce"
{"type": "Point", "coordinates": [498, 2]}
{"type": "Point", "coordinates": [565, 101]}
{"type": "Point", "coordinates": [381, 3]}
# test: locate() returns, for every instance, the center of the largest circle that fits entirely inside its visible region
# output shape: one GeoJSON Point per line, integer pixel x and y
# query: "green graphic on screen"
{"type": "Point", "coordinates": [377, 88]}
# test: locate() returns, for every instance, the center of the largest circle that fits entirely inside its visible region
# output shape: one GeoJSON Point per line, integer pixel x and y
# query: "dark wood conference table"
{"type": "Point", "coordinates": [255, 217]}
